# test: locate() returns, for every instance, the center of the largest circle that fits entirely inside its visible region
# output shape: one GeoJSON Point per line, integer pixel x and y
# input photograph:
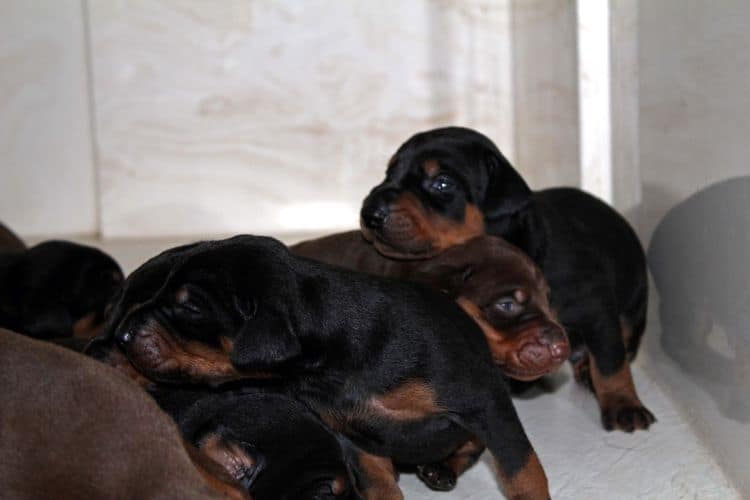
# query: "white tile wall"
{"type": "Point", "coordinates": [279, 116]}
{"type": "Point", "coordinates": [47, 177]}
{"type": "Point", "coordinates": [264, 116]}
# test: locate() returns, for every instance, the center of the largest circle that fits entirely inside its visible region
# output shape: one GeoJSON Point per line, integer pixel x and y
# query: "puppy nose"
{"type": "Point", "coordinates": [377, 206]}
{"type": "Point", "coordinates": [124, 337]}
{"type": "Point", "coordinates": [376, 218]}
{"type": "Point", "coordinates": [557, 342]}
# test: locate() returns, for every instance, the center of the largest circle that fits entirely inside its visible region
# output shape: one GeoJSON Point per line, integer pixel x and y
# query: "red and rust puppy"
{"type": "Point", "coordinates": [274, 445]}
{"type": "Point", "coordinates": [494, 282]}
{"type": "Point", "coordinates": [379, 360]}
{"type": "Point", "coordinates": [72, 428]}
{"type": "Point", "coordinates": [56, 289]}
{"type": "Point", "coordinates": [446, 186]}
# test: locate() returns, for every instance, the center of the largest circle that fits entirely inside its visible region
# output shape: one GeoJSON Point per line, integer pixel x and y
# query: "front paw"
{"type": "Point", "coordinates": [626, 416]}
{"type": "Point", "coordinates": [582, 373]}
{"type": "Point", "coordinates": [437, 476]}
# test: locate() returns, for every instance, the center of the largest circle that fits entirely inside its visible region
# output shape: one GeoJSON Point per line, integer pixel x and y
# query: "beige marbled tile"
{"type": "Point", "coordinates": [279, 116]}
{"type": "Point", "coordinates": [47, 178]}
{"type": "Point", "coordinates": [545, 84]}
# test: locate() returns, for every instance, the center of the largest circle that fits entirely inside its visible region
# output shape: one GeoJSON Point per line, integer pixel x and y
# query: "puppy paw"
{"type": "Point", "coordinates": [582, 373]}
{"type": "Point", "coordinates": [626, 416]}
{"type": "Point", "coordinates": [437, 476]}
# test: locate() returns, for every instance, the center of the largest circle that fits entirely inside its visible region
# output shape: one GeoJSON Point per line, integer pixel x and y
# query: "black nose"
{"type": "Point", "coordinates": [124, 337]}
{"type": "Point", "coordinates": [375, 217]}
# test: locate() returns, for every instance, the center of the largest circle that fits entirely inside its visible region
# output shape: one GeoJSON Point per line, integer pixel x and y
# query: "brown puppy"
{"type": "Point", "coordinates": [73, 428]}
{"type": "Point", "coordinates": [9, 241]}
{"type": "Point", "coordinates": [494, 282]}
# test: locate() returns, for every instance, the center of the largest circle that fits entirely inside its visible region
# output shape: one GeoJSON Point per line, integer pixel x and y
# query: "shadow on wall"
{"type": "Point", "coordinates": [699, 256]}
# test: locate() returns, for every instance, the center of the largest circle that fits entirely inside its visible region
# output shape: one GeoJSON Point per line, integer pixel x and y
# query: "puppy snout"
{"type": "Point", "coordinates": [377, 208]}
{"type": "Point", "coordinates": [534, 355]}
{"type": "Point", "coordinates": [375, 217]}
{"type": "Point", "coordinates": [557, 343]}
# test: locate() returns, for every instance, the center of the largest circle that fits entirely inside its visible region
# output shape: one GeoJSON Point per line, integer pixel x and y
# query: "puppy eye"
{"type": "Point", "coordinates": [508, 306]}
{"type": "Point", "coordinates": [188, 299]}
{"type": "Point", "coordinates": [442, 184]}
{"type": "Point", "coordinates": [192, 308]}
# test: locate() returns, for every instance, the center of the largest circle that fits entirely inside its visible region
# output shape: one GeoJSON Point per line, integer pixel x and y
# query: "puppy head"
{"type": "Point", "coordinates": [270, 443]}
{"type": "Point", "coordinates": [507, 295]}
{"type": "Point", "coordinates": [64, 289]}
{"type": "Point", "coordinates": [207, 313]}
{"type": "Point", "coordinates": [442, 188]}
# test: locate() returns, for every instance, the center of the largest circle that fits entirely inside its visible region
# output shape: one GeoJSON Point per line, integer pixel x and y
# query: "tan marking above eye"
{"type": "Point", "coordinates": [431, 168]}
{"type": "Point", "coordinates": [521, 295]}
{"type": "Point", "coordinates": [182, 294]}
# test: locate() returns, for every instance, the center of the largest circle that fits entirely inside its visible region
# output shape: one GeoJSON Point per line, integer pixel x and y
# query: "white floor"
{"type": "Point", "coordinates": [582, 461]}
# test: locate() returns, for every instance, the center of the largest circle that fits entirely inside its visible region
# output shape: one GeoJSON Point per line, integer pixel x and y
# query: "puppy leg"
{"type": "Point", "coordinates": [376, 477]}
{"type": "Point", "coordinates": [442, 476]}
{"type": "Point", "coordinates": [612, 381]}
{"type": "Point", "coordinates": [498, 427]}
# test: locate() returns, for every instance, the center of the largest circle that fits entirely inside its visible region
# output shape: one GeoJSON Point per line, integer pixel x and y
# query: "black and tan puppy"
{"type": "Point", "coordinates": [274, 445]}
{"type": "Point", "coordinates": [492, 281]}
{"type": "Point", "coordinates": [71, 428]}
{"type": "Point", "coordinates": [446, 186]}
{"type": "Point", "coordinates": [56, 289]}
{"type": "Point", "coordinates": [378, 360]}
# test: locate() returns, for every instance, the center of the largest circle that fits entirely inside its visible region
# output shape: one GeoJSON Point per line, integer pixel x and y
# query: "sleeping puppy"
{"type": "Point", "coordinates": [492, 281]}
{"type": "Point", "coordinates": [72, 429]}
{"type": "Point", "coordinates": [272, 444]}
{"type": "Point", "coordinates": [446, 186]}
{"type": "Point", "coordinates": [56, 289]}
{"type": "Point", "coordinates": [378, 360]}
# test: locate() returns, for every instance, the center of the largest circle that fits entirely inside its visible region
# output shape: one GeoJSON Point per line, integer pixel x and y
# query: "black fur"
{"type": "Point", "coordinates": [590, 255]}
{"type": "Point", "coordinates": [331, 338]}
{"type": "Point", "coordinates": [45, 289]}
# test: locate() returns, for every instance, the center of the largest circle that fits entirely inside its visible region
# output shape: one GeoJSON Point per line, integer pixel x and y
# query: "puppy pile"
{"type": "Point", "coordinates": [324, 370]}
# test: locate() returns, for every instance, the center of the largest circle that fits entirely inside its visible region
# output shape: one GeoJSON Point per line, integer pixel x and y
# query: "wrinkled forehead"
{"type": "Point", "coordinates": [498, 262]}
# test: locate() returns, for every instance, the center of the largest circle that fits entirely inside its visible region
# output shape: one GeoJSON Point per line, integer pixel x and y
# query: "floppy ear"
{"type": "Point", "coordinates": [265, 341]}
{"type": "Point", "coordinates": [446, 272]}
{"type": "Point", "coordinates": [51, 321]}
{"type": "Point", "coordinates": [506, 191]}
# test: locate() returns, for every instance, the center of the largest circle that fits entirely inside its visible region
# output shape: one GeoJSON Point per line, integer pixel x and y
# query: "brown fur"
{"type": "Point", "coordinates": [87, 327]}
{"type": "Point", "coordinates": [615, 393]}
{"type": "Point", "coordinates": [380, 476]}
{"type": "Point", "coordinates": [430, 227]}
{"type": "Point", "coordinates": [530, 478]}
{"type": "Point", "coordinates": [497, 268]}
{"type": "Point", "coordinates": [73, 428]}
{"type": "Point", "coordinates": [413, 400]}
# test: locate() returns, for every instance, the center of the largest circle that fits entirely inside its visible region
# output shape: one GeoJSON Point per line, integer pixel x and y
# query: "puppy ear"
{"type": "Point", "coordinates": [265, 341]}
{"type": "Point", "coordinates": [447, 272]}
{"type": "Point", "coordinates": [506, 192]}
{"type": "Point", "coordinates": [50, 321]}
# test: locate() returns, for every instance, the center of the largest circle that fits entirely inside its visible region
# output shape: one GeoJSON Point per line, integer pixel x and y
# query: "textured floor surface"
{"type": "Point", "coordinates": [582, 461]}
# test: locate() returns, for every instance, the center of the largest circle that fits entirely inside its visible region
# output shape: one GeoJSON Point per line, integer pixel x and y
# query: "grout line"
{"type": "Point", "coordinates": [87, 48]}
